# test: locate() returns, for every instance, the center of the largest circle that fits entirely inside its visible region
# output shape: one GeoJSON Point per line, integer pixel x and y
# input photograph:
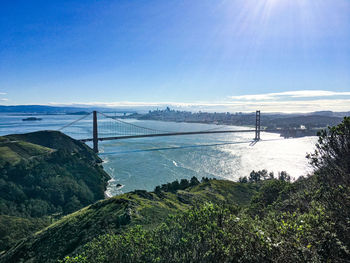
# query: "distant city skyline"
{"type": "Point", "coordinates": [239, 55]}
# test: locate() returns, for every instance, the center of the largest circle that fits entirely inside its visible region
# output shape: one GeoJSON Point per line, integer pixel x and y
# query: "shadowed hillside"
{"type": "Point", "coordinates": [44, 175]}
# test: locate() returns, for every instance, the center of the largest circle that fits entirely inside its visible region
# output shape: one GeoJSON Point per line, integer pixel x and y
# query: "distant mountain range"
{"type": "Point", "coordinates": [43, 109]}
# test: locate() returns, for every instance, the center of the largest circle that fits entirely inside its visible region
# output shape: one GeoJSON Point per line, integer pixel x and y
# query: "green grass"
{"type": "Point", "coordinates": [15, 151]}
{"type": "Point", "coordinates": [15, 228]}
{"type": "Point", "coordinates": [8, 156]}
{"type": "Point", "coordinates": [223, 190]}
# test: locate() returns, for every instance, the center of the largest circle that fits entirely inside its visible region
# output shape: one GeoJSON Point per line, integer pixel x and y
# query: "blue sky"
{"type": "Point", "coordinates": [199, 54]}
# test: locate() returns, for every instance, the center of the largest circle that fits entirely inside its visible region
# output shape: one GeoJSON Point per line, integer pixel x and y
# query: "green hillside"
{"type": "Point", "coordinates": [119, 213]}
{"type": "Point", "coordinates": [56, 140]}
{"type": "Point", "coordinates": [306, 221]}
{"type": "Point", "coordinates": [43, 176]}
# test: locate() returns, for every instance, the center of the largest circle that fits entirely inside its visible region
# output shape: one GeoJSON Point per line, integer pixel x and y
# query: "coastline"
{"type": "Point", "coordinates": [285, 133]}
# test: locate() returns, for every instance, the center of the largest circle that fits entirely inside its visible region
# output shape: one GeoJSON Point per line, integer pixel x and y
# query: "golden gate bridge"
{"type": "Point", "coordinates": [109, 127]}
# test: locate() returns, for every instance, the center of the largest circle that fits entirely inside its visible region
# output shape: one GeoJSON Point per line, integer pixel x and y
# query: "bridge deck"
{"type": "Point", "coordinates": [164, 134]}
{"type": "Point", "coordinates": [187, 133]}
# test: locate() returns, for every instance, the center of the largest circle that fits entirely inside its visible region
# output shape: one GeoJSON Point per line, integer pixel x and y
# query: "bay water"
{"type": "Point", "coordinates": [144, 163]}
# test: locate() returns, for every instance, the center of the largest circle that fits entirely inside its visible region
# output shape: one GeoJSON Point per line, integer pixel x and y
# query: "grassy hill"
{"type": "Point", "coordinates": [264, 221]}
{"type": "Point", "coordinates": [117, 214]}
{"type": "Point", "coordinates": [43, 176]}
{"type": "Point", "coordinates": [305, 221]}
{"type": "Point", "coordinates": [55, 140]}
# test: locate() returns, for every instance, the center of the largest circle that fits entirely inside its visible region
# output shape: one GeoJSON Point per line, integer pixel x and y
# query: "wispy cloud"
{"type": "Point", "coordinates": [231, 106]}
{"type": "Point", "coordinates": [2, 94]}
{"type": "Point", "coordinates": [290, 95]}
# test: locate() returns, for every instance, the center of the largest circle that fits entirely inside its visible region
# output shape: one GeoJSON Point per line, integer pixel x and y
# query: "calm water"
{"type": "Point", "coordinates": [146, 162]}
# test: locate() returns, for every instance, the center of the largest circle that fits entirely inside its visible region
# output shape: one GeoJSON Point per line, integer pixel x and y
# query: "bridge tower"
{"type": "Point", "coordinates": [94, 132]}
{"type": "Point", "coordinates": [257, 125]}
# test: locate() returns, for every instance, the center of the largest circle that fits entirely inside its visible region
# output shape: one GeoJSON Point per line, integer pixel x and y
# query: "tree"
{"type": "Point", "coordinates": [243, 179]}
{"type": "Point", "coordinates": [205, 179]}
{"type": "Point", "coordinates": [254, 177]}
{"type": "Point", "coordinates": [194, 181]}
{"type": "Point", "coordinates": [284, 176]}
{"type": "Point", "coordinates": [184, 184]}
{"type": "Point", "coordinates": [264, 174]}
{"type": "Point", "coordinates": [269, 193]}
{"type": "Point", "coordinates": [333, 149]}
{"type": "Point", "coordinates": [158, 192]}
{"type": "Point", "coordinates": [174, 186]}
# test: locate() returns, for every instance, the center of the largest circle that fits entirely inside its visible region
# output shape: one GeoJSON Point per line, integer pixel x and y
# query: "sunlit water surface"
{"type": "Point", "coordinates": [146, 162]}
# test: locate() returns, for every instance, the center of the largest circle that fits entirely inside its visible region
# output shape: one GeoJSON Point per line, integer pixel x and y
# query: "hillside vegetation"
{"type": "Point", "coordinates": [43, 176]}
{"type": "Point", "coordinates": [117, 214]}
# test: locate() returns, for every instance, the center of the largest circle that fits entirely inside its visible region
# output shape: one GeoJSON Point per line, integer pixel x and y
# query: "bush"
{"type": "Point", "coordinates": [333, 149]}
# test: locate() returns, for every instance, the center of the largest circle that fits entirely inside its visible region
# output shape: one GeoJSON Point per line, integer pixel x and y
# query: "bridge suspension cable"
{"type": "Point", "coordinates": [75, 121]}
{"type": "Point", "coordinates": [133, 125]}
{"type": "Point", "coordinates": [156, 130]}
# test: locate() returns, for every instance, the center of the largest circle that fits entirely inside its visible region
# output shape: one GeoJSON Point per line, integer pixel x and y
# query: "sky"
{"type": "Point", "coordinates": [222, 55]}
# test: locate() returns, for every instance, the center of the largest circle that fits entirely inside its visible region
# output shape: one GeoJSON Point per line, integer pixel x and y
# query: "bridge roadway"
{"type": "Point", "coordinates": [175, 134]}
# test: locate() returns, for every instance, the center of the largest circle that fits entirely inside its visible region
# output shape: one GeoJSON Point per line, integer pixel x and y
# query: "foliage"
{"type": "Point", "coordinates": [202, 234]}
{"type": "Point", "coordinates": [255, 177]}
{"type": "Point", "coordinates": [270, 191]}
{"type": "Point", "coordinates": [217, 233]}
{"type": "Point", "coordinates": [44, 182]}
{"type": "Point", "coordinates": [117, 214]}
{"type": "Point", "coordinates": [175, 185]}
{"type": "Point", "coordinates": [332, 152]}
{"type": "Point", "coordinates": [14, 228]}
{"type": "Point", "coordinates": [59, 183]}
